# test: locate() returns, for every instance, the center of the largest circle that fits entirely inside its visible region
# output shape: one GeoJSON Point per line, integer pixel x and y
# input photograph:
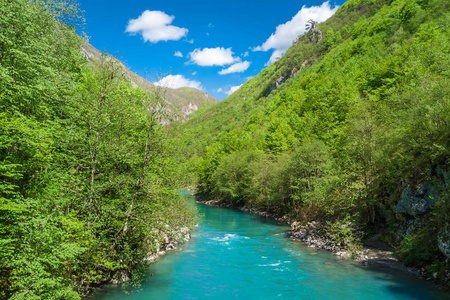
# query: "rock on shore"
{"type": "Point", "coordinates": [314, 236]}
{"type": "Point", "coordinates": [168, 241]}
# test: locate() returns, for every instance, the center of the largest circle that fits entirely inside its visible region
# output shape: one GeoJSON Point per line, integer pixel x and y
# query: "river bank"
{"type": "Point", "coordinates": [314, 235]}
{"type": "Point", "coordinates": [233, 254]}
{"type": "Point", "coordinates": [167, 239]}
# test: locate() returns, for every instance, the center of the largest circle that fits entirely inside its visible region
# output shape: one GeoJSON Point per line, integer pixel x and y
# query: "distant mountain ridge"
{"type": "Point", "coordinates": [181, 102]}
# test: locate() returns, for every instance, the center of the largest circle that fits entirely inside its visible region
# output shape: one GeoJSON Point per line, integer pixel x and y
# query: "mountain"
{"type": "Point", "coordinates": [180, 102]}
{"type": "Point", "coordinates": [350, 128]}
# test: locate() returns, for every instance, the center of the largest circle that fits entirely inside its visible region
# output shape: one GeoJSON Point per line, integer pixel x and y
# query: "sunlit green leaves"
{"type": "Point", "coordinates": [85, 167]}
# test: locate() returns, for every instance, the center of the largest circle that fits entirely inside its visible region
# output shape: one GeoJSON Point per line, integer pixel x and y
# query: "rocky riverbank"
{"type": "Point", "coordinates": [168, 241]}
{"type": "Point", "coordinates": [165, 239]}
{"type": "Point", "coordinates": [315, 235]}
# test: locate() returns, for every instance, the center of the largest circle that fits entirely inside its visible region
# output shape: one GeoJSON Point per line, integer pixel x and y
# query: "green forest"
{"type": "Point", "coordinates": [86, 187]}
{"type": "Point", "coordinates": [349, 128]}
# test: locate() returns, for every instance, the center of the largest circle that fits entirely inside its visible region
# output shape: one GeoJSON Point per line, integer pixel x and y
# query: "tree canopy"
{"type": "Point", "coordinates": [85, 191]}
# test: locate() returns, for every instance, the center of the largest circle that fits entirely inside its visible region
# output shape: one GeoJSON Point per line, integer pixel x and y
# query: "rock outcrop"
{"type": "Point", "coordinates": [418, 200]}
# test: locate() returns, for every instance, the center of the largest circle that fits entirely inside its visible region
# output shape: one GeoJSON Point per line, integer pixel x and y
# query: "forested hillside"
{"type": "Point", "coordinates": [86, 192]}
{"type": "Point", "coordinates": [351, 128]}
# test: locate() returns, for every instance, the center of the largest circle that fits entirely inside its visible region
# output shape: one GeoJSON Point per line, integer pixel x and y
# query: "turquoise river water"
{"type": "Point", "coordinates": [237, 255]}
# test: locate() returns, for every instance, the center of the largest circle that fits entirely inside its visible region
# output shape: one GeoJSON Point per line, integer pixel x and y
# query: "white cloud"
{"type": "Point", "coordinates": [219, 90]}
{"type": "Point", "coordinates": [177, 81]}
{"type": "Point", "coordinates": [236, 68]}
{"type": "Point", "coordinates": [233, 89]}
{"type": "Point", "coordinates": [213, 57]}
{"type": "Point", "coordinates": [245, 54]}
{"type": "Point", "coordinates": [178, 54]}
{"type": "Point", "coordinates": [154, 26]}
{"type": "Point", "coordinates": [285, 34]}
{"type": "Point", "coordinates": [275, 56]}
{"type": "Point", "coordinates": [194, 73]}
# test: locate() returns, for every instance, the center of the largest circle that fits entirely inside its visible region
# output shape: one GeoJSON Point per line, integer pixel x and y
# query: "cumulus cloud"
{"type": "Point", "coordinates": [154, 26]}
{"type": "Point", "coordinates": [178, 54]}
{"type": "Point", "coordinates": [177, 81]}
{"type": "Point", "coordinates": [276, 54]}
{"type": "Point", "coordinates": [236, 68]}
{"type": "Point", "coordinates": [285, 34]}
{"type": "Point", "coordinates": [213, 57]}
{"type": "Point", "coordinates": [233, 89]}
{"type": "Point", "coordinates": [219, 90]}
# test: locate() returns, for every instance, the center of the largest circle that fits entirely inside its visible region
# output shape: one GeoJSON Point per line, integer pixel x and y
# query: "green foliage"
{"type": "Point", "coordinates": [233, 177]}
{"type": "Point", "coordinates": [86, 185]}
{"type": "Point", "coordinates": [333, 128]}
{"type": "Point", "coordinates": [415, 249]}
{"type": "Point", "coordinates": [310, 175]}
{"type": "Point", "coordinates": [344, 232]}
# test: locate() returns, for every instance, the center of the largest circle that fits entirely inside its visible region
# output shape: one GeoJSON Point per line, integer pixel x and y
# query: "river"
{"type": "Point", "coordinates": [237, 255]}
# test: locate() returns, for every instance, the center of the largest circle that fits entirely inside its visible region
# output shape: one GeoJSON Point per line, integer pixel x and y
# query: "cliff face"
{"type": "Point", "coordinates": [180, 103]}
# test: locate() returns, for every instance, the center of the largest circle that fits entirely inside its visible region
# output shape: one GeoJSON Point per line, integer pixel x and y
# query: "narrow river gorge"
{"type": "Point", "coordinates": [237, 255]}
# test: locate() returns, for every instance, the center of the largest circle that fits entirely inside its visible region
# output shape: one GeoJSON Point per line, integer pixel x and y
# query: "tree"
{"type": "Point", "coordinates": [315, 35]}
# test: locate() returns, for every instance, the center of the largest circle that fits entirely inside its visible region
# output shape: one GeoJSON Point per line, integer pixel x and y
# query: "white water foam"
{"type": "Point", "coordinates": [227, 237]}
{"type": "Point", "coordinates": [271, 265]}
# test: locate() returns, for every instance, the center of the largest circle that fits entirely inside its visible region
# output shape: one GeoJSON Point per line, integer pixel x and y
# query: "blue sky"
{"type": "Point", "coordinates": [211, 45]}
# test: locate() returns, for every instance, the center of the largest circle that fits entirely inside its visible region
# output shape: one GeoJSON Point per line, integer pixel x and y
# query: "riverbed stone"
{"type": "Point", "coordinates": [120, 277]}
{"type": "Point", "coordinates": [444, 241]}
{"type": "Point", "coordinates": [151, 258]}
{"type": "Point", "coordinates": [343, 254]}
{"type": "Point", "coordinates": [170, 246]}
